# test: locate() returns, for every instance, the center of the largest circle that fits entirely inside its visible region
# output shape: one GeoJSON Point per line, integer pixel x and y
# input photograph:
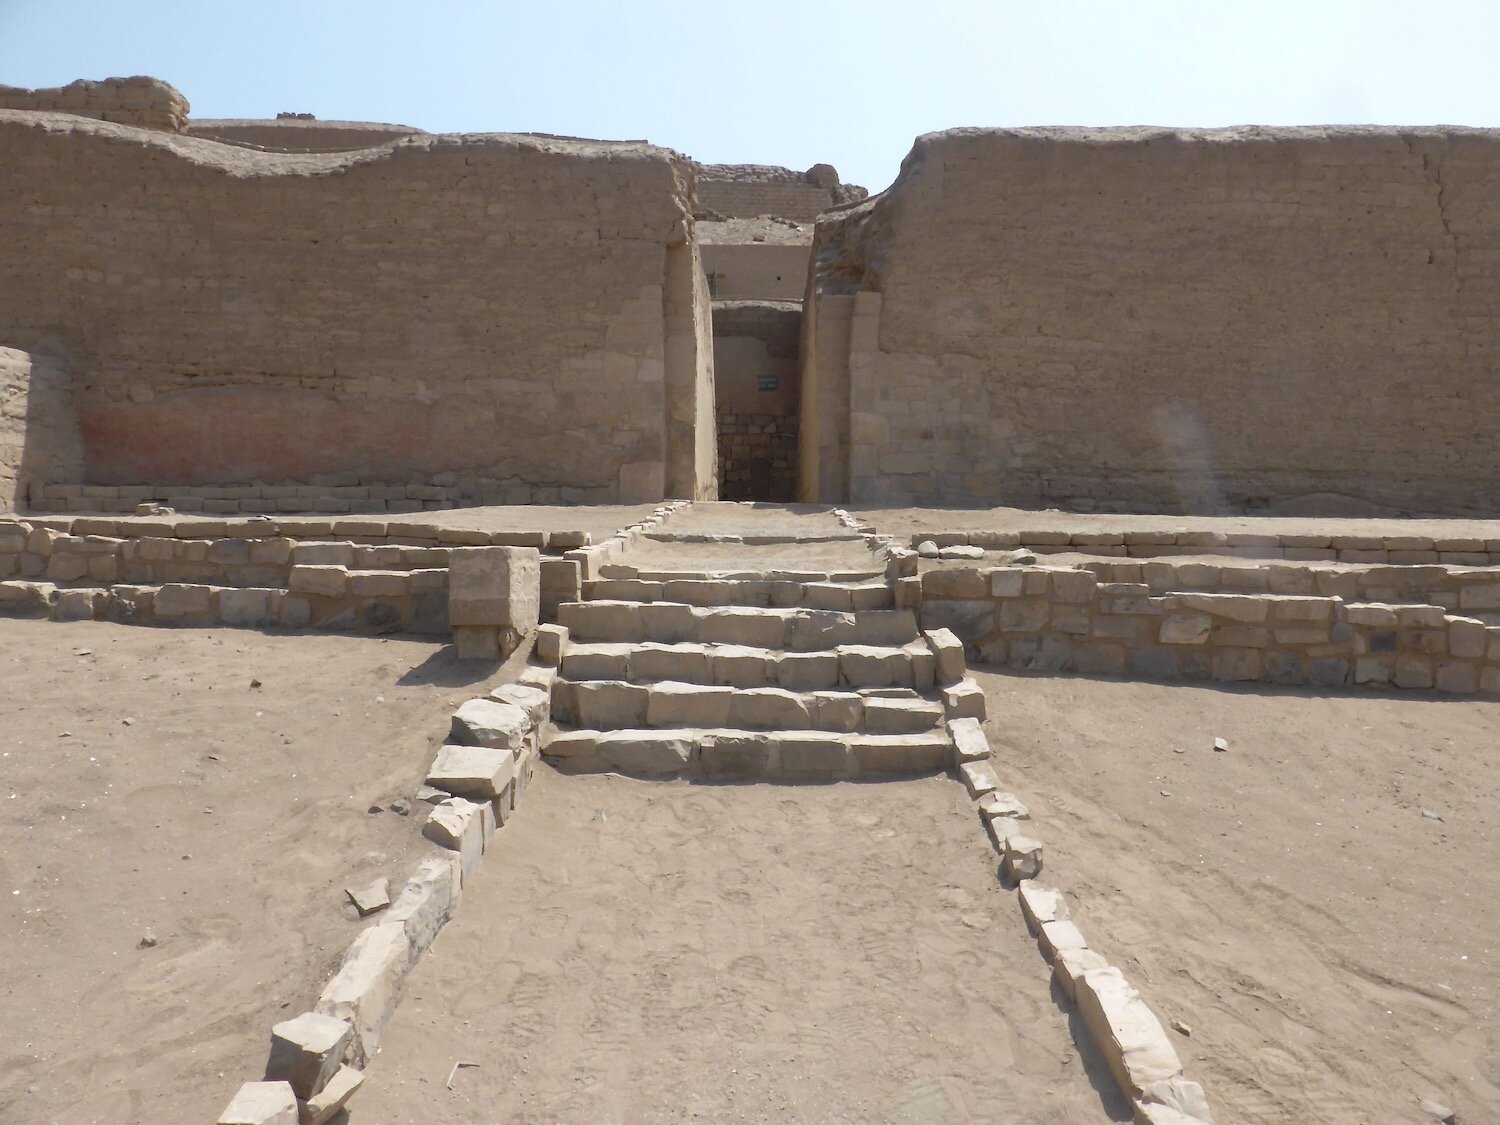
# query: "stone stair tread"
{"type": "Point", "coordinates": [747, 666]}
{"type": "Point", "coordinates": [733, 752]}
{"type": "Point", "coordinates": [793, 629]}
{"type": "Point", "coordinates": [651, 574]}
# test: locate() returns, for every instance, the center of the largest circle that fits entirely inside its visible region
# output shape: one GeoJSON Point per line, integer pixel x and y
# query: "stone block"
{"type": "Point", "coordinates": [740, 755]}
{"type": "Point", "coordinates": [181, 604]}
{"type": "Point", "coordinates": [669, 624]}
{"type": "Point", "coordinates": [533, 696]}
{"type": "Point", "coordinates": [1070, 964]}
{"type": "Point", "coordinates": [324, 1106]}
{"type": "Point", "coordinates": [766, 709]}
{"type": "Point", "coordinates": [1185, 629]}
{"type": "Point", "coordinates": [261, 1103]}
{"type": "Point", "coordinates": [596, 662]}
{"type": "Point", "coordinates": [306, 1051]}
{"type": "Point", "coordinates": [472, 771]}
{"type": "Point", "coordinates": [741, 626]}
{"type": "Point", "coordinates": [647, 752]}
{"type": "Point", "coordinates": [871, 666]}
{"type": "Point", "coordinates": [978, 777]}
{"type": "Point", "coordinates": [487, 722]}
{"type": "Point", "coordinates": [248, 609]}
{"type": "Point", "coordinates": [949, 652]}
{"type": "Point", "coordinates": [1456, 677]}
{"type": "Point", "coordinates": [742, 667]}
{"type": "Point", "coordinates": [1058, 935]}
{"type": "Point", "coordinates": [458, 824]}
{"type": "Point", "coordinates": [78, 605]}
{"type": "Point", "coordinates": [813, 671]}
{"type": "Point", "coordinates": [969, 742]}
{"type": "Point", "coordinates": [964, 700]}
{"type": "Point", "coordinates": [426, 903]}
{"type": "Point", "coordinates": [1006, 582]}
{"type": "Point", "coordinates": [1022, 858]}
{"type": "Point", "coordinates": [1041, 904]}
{"type": "Point", "coordinates": [1466, 638]}
{"type": "Point", "coordinates": [551, 643]}
{"type": "Point", "coordinates": [1000, 805]}
{"type": "Point", "coordinates": [902, 753]}
{"type": "Point", "coordinates": [815, 754]}
{"type": "Point", "coordinates": [610, 704]}
{"type": "Point", "coordinates": [1074, 586]}
{"type": "Point", "coordinates": [688, 663]}
{"type": "Point", "coordinates": [323, 581]}
{"type": "Point", "coordinates": [495, 586]}
{"type": "Point", "coordinates": [365, 990]}
{"type": "Point", "coordinates": [688, 705]}
{"type": "Point", "coordinates": [1412, 671]}
{"type": "Point", "coordinates": [970, 621]}
{"type": "Point", "coordinates": [1128, 1035]}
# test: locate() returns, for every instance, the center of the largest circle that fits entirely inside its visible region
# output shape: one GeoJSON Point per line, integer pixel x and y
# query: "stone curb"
{"type": "Point", "coordinates": [317, 1061]}
{"type": "Point", "coordinates": [1122, 1028]}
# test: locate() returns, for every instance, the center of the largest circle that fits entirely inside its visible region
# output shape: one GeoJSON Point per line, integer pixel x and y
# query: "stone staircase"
{"type": "Point", "coordinates": [777, 674]}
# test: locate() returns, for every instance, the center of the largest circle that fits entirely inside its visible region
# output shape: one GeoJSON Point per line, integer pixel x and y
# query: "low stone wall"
{"type": "Point", "coordinates": [1056, 619]}
{"type": "Point", "coordinates": [257, 581]}
{"type": "Point", "coordinates": [330, 496]}
{"type": "Point", "coordinates": [1401, 550]}
{"type": "Point", "coordinates": [147, 103]}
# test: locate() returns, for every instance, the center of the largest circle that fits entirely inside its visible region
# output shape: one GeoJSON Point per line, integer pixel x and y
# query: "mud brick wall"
{"type": "Point", "coordinates": [523, 314]}
{"type": "Point", "coordinates": [1298, 320]}
{"type": "Point", "coordinates": [147, 103]}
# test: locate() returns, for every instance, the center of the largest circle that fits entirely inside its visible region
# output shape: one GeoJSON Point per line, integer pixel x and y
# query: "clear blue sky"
{"type": "Point", "coordinates": [779, 82]}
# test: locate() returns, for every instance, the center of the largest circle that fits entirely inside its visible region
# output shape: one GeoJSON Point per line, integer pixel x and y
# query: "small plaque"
{"type": "Point", "coordinates": [770, 382]}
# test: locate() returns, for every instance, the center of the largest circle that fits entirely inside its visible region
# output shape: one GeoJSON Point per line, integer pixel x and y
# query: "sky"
{"type": "Point", "coordinates": [850, 84]}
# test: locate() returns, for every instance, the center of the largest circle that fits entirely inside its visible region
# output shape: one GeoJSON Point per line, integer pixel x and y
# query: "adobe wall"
{"type": "Point", "coordinates": [757, 390]}
{"type": "Point", "coordinates": [494, 310]}
{"type": "Point", "coordinates": [747, 190]}
{"type": "Point", "coordinates": [757, 271]}
{"type": "Point", "coordinates": [1153, 320]}
{"type": "Point", "coordinates": [299, 134]}
{"type": "Point", "coordinates": [147, 103]}
{"type": "Point", "coordinates": [39, 439]}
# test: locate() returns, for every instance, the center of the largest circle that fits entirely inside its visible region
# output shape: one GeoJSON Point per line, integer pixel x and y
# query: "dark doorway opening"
{"type": "Point", "coordinates": [757, 398]}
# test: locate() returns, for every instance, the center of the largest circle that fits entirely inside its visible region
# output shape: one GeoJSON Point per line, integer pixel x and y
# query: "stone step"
{"type": "Point", "coordinates": [747, 666]}
{"type": "Point", "coordinates": [727, 752]}
{"type": "Point", "coordinates": [779, 594]}
{"type": "Point", "coordinates": [617, 705]}
{"type": "Point", "coordinates": [662, 574]}
{"type": "Point", "coordinates": [667, 535]}
{"type": "Point", "coordinates": [795, 630]}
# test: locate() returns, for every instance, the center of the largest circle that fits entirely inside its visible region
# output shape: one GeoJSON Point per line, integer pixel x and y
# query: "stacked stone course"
{"type": "Point", "coordinates": [146, 103]}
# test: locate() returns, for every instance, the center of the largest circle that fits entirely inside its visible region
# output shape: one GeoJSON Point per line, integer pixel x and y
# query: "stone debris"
{"type": "Point", "coordinates": [458, 824]}
{"type": "Point", "coordinates": [1438, 1111]}
{"type": "Point", "coordinates": [427, 902]}
{"type": "Point", "coordinates": [964, 700]}
{"type": "Point", "coordinates": [370, 898]}
{"type": "Point", "coordinates": [261, 1103]}
{"type": "Point", "coordinates": [949, 651]}
{"type": "Point", "coordinates": [1221, 744]}
{"type": "Point", "coordinates": [322, 1106]}
{"type": "Point", "coordinates": [306, 1051]}
{"type": "Point", "coordinates": [927, 549]}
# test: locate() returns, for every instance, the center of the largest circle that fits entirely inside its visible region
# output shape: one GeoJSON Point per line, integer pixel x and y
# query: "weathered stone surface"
{"type": "Point", "coordinates": [325, 1105]}
{"type": "Point", "coordinates": [767, 709]}
{"type": "Point", "coordinates": [499, 586]}
{"type": "Point", "coordinates": [647, 752]}
{"type": "Point", "coordinates": [978, 777]}
{"type": "Point", "coordinates": [551, 642]}
{"type": "Point", "coordinates": [530, 698]}
{"type": "Point", "coordinates": [816, 755]}
{"type": "Point", "coordinates": [688, 705]}
{"type": "Point", "coordinates": [1185, 629]}
{"type": "Point", "coordinates": [1057, 935]}
{"type": "Point", "coordinates": [1128, 1035]}
{"type": "Point", "coordinates": [949, 651]}
{"type": "Point", "coordinates": [426, 903]}
{"type": "Point", "coordinates": [472, 771]}
{"type": "Point", "coordinates": [969, 742]}
{"type": "Point", "coordinates": [486, 722]}
{"type": "Point", "coordinates": [1022, 858]}
{"type": "Point", "coordinates": [261, 1103]}
{"type": "Point", "coordinates": [1070, 964]}
{"type": "Point", "coordinates": [964, 700]}
{"type": "Point", "coordinates": [367, 986]}
{"type": "Point", "coordinates": [371, 897]}
{"type": "Point", "coordinates": [999, 804]}
{"type": "Point", "coordinates": [459, 825]}
{"type": "Point", "coordinates": [609, 704]}
{"type": "Point", "coordinates": [306, 1051]}
{"type": "Point", "coordinates": [1041, 904]}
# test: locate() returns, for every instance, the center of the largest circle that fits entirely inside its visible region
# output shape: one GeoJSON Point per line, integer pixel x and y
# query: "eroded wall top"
{"type": "Point", "coordinates": [728, 191]}
{"type": "Point", "coordinates": [147, 103]}
{"type": "Point", "coordinates": [486, 305]}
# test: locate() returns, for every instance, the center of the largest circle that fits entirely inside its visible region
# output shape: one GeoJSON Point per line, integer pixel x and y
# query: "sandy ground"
{"type": "Point", "coordinates": [902, 522]}
{"type": "Point", "coordinates": [223, 820]}
{"type": "Point", "coordinates": [1333, 950]}
{"type": "Point", "coordinates": [749, 518]}
{"type": "Point", "coordinates": [643, 951]}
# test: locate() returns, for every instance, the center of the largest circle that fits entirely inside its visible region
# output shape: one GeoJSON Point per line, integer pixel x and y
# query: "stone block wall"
{"type": "Point", "coordinates": [499, 311]}
{"type": "Point", "coordinates": [1296, 632]}
{"type": "Point", "coordinates": [1280, 320]}
{"type": "Point", "coordinates": [758, 189]}
{"type": "Point", "coordinates": [146, 103]}
{"type": "Point", "coordinates": [39, 439]}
